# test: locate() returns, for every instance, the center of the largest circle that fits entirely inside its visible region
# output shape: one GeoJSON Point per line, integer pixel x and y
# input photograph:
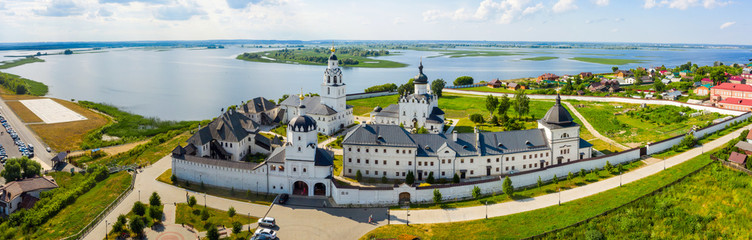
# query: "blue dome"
{"type": "Point", "coordinates": [302, 123]}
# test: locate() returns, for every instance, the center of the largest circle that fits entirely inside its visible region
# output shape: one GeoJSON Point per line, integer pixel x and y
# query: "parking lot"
{"type": "Point", "coordinates": [11, 145]}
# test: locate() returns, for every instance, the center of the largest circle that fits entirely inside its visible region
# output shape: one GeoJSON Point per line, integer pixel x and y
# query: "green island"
{"type": "Point", "coordinates": [607, 61]}
{"type": "Point", "coordinates": [16, 84]}
{"type": "Point", "coordinates": [468, 53]}
{"type": "Point", "coordinates": [348, 57]}
{"type": "Point", "coordinates": [19, 62]}
{"type": "Point", "coordinates": [541, 58]}
{"type": "Point", "coordinates": [528, 224]}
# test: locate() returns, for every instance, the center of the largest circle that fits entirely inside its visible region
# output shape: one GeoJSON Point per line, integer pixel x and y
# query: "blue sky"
{"type": "Point", "coordinates": [656, 21]}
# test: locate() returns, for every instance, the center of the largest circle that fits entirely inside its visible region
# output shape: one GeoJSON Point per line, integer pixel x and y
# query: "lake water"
{"type": "Point", "coordinates": [194, 84]}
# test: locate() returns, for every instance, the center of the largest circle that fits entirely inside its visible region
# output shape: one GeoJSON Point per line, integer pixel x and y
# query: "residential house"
{"type": "Point", "coordinates": [630, 80]}
{"type": "Point", "coordinates": [547, 76]}
{"type": "Point", "coordinates": [703, 90]}
{"type": "Point", "coordinates": [747, 73]}
{"type": "Point", "coordinates": [666, 81]}
{"type": "Point", "coordinates": [672, 95]}
{"type": "Point", "coordinates": [665, 72]}
{"type": "Point", "coordinates": [580, 92]}
{"type": "Point", "coordinates": [738, 158]}
{"type": "Point", "coordinates": [231, 136]}
{"type": "Point", "coordinates": [736, 104]}
{"type": "Point", "coordinates": [706, 81]}
{"type": "Point", "coordinates": [725, 91]}
{"type": "Point", "coordinates": [494, 83]}
{"type": "Point", "coordinates": [623, 73]}
{"type": "Point", "coordinates": [745, 146]}
{"type": "Point", "coordinates": [23, 193]}
{"type": "Point", "coordinates": [584, 75]}
{"type": "Point", "coordinates": [737, 79]}
{"type": "Point", "coordinates": [514, 86]}
{"type": "Point", "coordinates": [646, 79]}
{"type": "Point", "coordinates": [605, 86]}
{"type": "Point", "coordinates": [684, 73]}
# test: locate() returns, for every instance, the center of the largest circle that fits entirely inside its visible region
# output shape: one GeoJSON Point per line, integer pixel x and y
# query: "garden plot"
{"type": "Point", "coordinates": [51, 112]}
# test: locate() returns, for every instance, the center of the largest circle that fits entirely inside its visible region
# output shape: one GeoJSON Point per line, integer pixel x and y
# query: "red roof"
{"type": "Point", "coordinates": [706, 80]}
{"type": "Point", "coordinates": [738, 78]}
{"type": "Point", "coordinates": [737, 157]}
{"type": "Point", "coordinates": [749, 135]}
{"type": "Point", "coordinates": [737, 101]}
{"type": "Point", "coordinates": [734, 86]}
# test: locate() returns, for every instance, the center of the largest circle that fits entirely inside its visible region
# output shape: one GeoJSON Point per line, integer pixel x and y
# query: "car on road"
{"type": "Point", "coordinates": [49, 149]}
{"type": "Point", "coordinates": [267, 222]}
{"type": "Point", "coordinates": [283, 198]}
{"type": "Point", "coordinates": [266, 232]}
{"type": "Point", "coordinates": [261, 237]}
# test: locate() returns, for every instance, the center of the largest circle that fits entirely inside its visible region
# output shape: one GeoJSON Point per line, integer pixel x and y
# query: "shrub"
{"type": "Point", "coordinates": [477, 118]}
{"type": "Point", "coordinates": [137, 225]}
{"type": "Point", "coordinates": [430, 178]}
{"type": "Point", "coordinates": [436, 196]}
{"type": "Point", "coordinates": [507, 186]}
{"type": "Point", "coordinates": [607, 167]}
{"type": "Point", "coordinates": [476, 192]}
{"type": "Point", "coordinates": [582, 172]}
{"type": "Point", "coordinates": [156, 213]}
{"type": "Point", "coordinates": [383, 179]}
{"type": "Point", "coordinates": [456, 178]}
{"type": "Point", "coordinates": [231, 212]}
{"type": "Point", "coordinates": [391, 87]}
{"type": "Point", "coordinates": [174, 179]}
{"type": "Point", "coordinates": [358, 176]}
{"type": "Point", "coordinates": [410, 178]}
{"type": "Point", "coordinates": [555, 179]}
{"type": "Point", "coordinates": [463, 80]}
{"type": "Point", "coordinates": [192, 201]}
{"type": "Point", "coordinates": [212, 233]}
{"type": "Point", "coordinates": [540, 182]}
{"type": "Point", "coordinates": [139, 208]}
{"type": "Point", "coordinates": [155, 200]}
{"type": "Point", "coordinates": [236, 227]}
{"type": "Point", "coordinates": [204, 214]}
{"type": "Point", "coordinates": [570, 176]}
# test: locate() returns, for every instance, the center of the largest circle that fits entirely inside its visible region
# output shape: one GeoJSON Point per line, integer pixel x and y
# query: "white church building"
{"type": "Point", "coordinates": [420, 109]}
{"type": "Point", "coordinates": [299, 167]}
{"type": "Point", "coordinates": [378, 150]}
{"type": "Point", "coordinates": [329, 108]}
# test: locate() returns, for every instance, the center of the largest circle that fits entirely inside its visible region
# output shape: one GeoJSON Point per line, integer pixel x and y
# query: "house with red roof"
{"type": "Point", "coordinates": [737, 79]}
{"type": "Point", "coordinates": [547, 76]}
{"type": "Point", "coordinates": [706, 81]}
{"type": "Point", "coordinates": [494, 83]}
{"type": "Point", "coordinates": [738, 158]}
{"type": "Point", "coordinates": [732, 96]}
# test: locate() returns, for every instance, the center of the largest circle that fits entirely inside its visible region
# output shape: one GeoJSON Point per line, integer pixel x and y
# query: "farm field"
{"type": "Point", "coordinates": [640, 125]}
{"type": "Point", "coordinates": [708, 205]}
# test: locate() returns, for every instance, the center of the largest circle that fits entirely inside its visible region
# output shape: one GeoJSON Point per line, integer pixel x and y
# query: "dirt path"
{"type": "Point", "coordinates": [591, 129]}
{"type": "Point", "coordinates": [112, 150]}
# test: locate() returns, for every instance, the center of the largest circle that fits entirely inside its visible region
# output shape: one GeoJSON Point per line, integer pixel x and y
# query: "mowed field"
{"type": "Point", "coordinates": [59, 136]}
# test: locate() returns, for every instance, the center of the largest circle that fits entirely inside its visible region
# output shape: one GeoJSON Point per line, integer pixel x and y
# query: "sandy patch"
{"type": "Point", "coordinates": [51, 112]}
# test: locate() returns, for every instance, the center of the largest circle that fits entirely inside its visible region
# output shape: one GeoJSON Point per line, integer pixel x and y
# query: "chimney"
{"type": "Point", "coordinates": [477, 138]}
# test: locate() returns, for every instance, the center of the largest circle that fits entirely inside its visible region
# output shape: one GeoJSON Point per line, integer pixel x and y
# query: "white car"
{"type": "Point", "coordinates": [266, 232]}
{"type": "Point", "coordinates": [267, 222]}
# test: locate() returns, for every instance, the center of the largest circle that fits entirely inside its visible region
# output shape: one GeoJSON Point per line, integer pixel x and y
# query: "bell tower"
{"type": "Point", "coordinates": [333, 88]}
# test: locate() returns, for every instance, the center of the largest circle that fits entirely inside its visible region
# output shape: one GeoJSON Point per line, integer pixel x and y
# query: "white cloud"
{"type": "Point", "coordinates": [602, 2]}
{"type": "Point", "coordinates": [398, 20]}
{"type": "Point", "coordinates": [685, 4]}
{"type": "Point", "coordinates": [178, 12]}
{"type": "Point", "coordinates": [503, 11]}
{"type": "Point", "coordinates": [682, 4]}
{"type": "Point", "coordinates": [60, 8]}
{"type": "Point", "coordinates": [533, 9]}
{"type": "Point", "coordinates": [103, 12]}
{"type": "Point", "coordinates": [564, 5]}
{"type": "Point", "coordinates": [714, 3]}
{"type": "Point", "coordinates": [649, 4]}
{"type": "Point", "coordinates": [727, 24]}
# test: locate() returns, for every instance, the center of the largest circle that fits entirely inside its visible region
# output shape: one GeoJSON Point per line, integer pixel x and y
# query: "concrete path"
{"type": "Point", "coordinates": [592, 130]}
{"type": "Point", "coordinates": [451, 128]}
{"type": "Point", "coordinates": [507, 208]}
{"type": "Point", "coordinates": [295, 222]}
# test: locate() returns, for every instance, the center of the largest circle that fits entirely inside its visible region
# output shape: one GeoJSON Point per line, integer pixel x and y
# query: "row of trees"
{"type": "Point", "coordinates": [14, 83]}
{"type": "Point", "coordinates": [389, 87]}
{"type": "Point", "coordinates": [20, 168]}
{"type": "Point", "coordinates": [506, 186]}
{"type": "Point", "coordinates": [409, 88]}
{"type": "Point", "coordinates": [498, 108]}
{"type": "Point", "coordinates": [144, 216]}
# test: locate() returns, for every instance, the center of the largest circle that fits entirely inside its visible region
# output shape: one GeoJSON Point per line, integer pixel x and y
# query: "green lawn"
{"type": "Point", "coordinates": [461, 106]}
{"type": "Point", "coordinates": [147, 153]}
{"type": "Point", "coordinates": [363, 106]}
{"type": "Point", "coordinates": [534, 222]}
{"type": "Point", "coordinates": [542, 58]}
{"type": "Point", "coordinates": [280, 130]}
{"type": "Point", "coordinates": [548, 187]}
{"type": "Point", "coordinates": [192, 215]}
{"type": "Point", "coordinates": [712, 204]}
{"type": "Point", "coordinates": [337, 165]}
{"type": "Point", "coordinates": [19, 62]}
{"type": "Point", "coordinates": [77, 215]}
{"type": "Point", "coordinates": [306, 56]}
{"type": "Point", "coordinates": [238, 195]}
{"type": "Point", "coordinates": [607, 61]}
{"type": "Point", "coordinates": [11, 83]}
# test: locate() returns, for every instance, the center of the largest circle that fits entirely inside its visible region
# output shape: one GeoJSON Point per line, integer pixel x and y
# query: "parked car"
{"type": "Point", "coordinates": [267, 222]}
{"type": "Point", "coordinates": [283, 198]}
{"type": "Point", "coordinates": [266, 232]}
{"type": "Point", "coordinates": [261, 237]}
{"type": "Point", "coordinates": [49, 149]}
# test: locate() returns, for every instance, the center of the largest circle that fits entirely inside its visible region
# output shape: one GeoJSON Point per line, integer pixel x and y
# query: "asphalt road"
{"type": "Point", "coordinates": [26, 135]}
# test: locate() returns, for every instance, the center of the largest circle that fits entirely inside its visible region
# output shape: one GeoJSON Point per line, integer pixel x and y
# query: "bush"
{"type": "Point", "coordinates": [555, 179]}
{"type": "Point", "coordinates": [236, 227]}
{"type": "Point", "coordinates": [192, 201]}
{"type": "Point", "coordinates": [463, 80]}
{"type": "Point", "coordinates": [477, 118]}
{"type": "Point", "coordinates": [137, 225]}
{"type": "Point", "coordinates": [540, 182]}
{"type": "Point", "coordinates": [436, 196]}
{"type": "Point", "coordinates": [456, 178]}
{"type": "Point", "coordinates": [231, 212]}
{"type": "Point", "coordinates": [156, 213]}
{"type": "Point", "coordinates": [212, 233]}
{"type": "Point", "coordinates": [358, 176]}
{"type": "Point", "coordinates": [155, 200]}
{"type": "Point", "coordinates": [476, 192]}
{"type": "Point", "coordinates": [430, 178]}
{"type": "Point", "coordinates": [383, 179]}
{"type": "Point", "coordinates": [391, 87]}
{"type": "Point", "coordinates": [507, 186]}
{"type": "Point", "coordinates": [204, 214]}
{"type": "Point", "coordinates": [174, 179]}
{"type": "Point", "coordinates": [410, 178]}
{"type": "Point", "coordinates": [139, 208]}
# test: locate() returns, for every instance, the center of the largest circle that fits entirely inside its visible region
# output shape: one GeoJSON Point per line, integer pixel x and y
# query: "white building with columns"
{"type": "Point", "coordinates": [420, 109]}
{"type": "Point", "coordinates": [329, 108]}
{"type": "Point", "coordinates": [299, 167]}
{"type": "Point", "coordinates": [378, 150]}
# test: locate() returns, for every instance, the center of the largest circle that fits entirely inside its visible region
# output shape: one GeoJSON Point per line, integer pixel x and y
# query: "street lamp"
{"type": "Point", "coordinates": [664, 163]}
{"type": "Point", "coordinates": [486, 209]}
{"type": "Point", "coordinates": [559, 189]}
{"type": "Point", "coordinates": [249, 221]}
{"type": "Point", "coordinates": [388, 217]}
{"type": "Point", "coordinates": [407, 217]}
{"type": "Point", "coordinates": [204, 200]}
{"type": "Point", "coordinates": [139, 195]}
{"type": "Point", "coordinates": [105, 229]}
{"type": "Point", "coordinates": [619, 178]}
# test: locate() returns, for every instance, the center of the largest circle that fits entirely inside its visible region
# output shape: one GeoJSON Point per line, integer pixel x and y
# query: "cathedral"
{"type": "Point", "coordinates": [329, 108]}
{"type": "Point", "coordinates": [420, 109]}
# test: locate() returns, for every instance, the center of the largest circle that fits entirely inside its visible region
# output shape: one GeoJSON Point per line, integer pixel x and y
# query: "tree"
{"type": "Point", "coordinates": [507, 186]}
{"type": "Point", "coordinates": [237, 227]}
{"type": "Point", "coordinates": [464, 80]}
{"type": "Point", "coordinates": [19, 168]}
{"type": "Point", "coordinates": [358, 176]}
{"type": "Point", "coordinates": [212, 233]}
{"type": "Point", "coordinates": [407, 88]}
{"type": "Point", "coordinates": [231, 212]}
{"type": "Point", "coordinates": [205, 214]}
{"type": "Point", "coordinates": [614, 69]}
{"type": "Point", "coordinates": [155, 212]}
{"type": "Point", "coordinates": [119, 225]}
{"type": "Point", "coordinates": [494, 120]}
{"type": "Point", "coordinates": [191, 201]}
{"type": "Point", "coordinates": [555, 179]}
{"type": "Point", "coordinates": [67, 52]}
{"type": "Point", "coordinates": [540, 182]}
{"type": "Point", "coordinates": [607, 167]}
{"type": "Point", "coordinates": [383, 179]}
{"type": "Point", "coordinates": [421, 130]}
{"type": "Point", "coordinates": [456, 178]}
{"type": "Point", "coordinates": [491, 104]}
{"type": "Point", "coordinates": [430, 178]}
{"type": "Point", "coordinates": [21, 89]}
{"type": "Point", "coordinates": [137, 225]}
{"type": "Point", "coordinates": [12, 171]}
{"type": "Point", "coordinates": [139, 208]}
{"type": "Point", "coordinates": [437, 86]}
{"type": "Point", "coordinates": [436, 196]}
{"type": "Point", "coordinates": [659, 86]}
{"type": "Point", "coordinates": [410, 178]}
{"type": "Point", "coordinates": [476, 192]}
{"type": "Point", "coordinates": [504, 105]}
{"type": "Point", "coordinates": [155, 200]}
{"type": "Point", "coordinates": [477, 118]}
{"type": "Point", "coordinates": [570, 176]}
{"type": "Point", "coordinates": [522, 103]}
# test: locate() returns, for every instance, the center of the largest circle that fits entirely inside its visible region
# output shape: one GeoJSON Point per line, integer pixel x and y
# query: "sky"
{"type": "Point", "coordinates": [644, 21]}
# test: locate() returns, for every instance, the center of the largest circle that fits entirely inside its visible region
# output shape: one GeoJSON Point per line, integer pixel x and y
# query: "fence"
{"type": "Point", "coordinates": [620, 206]}
{"type": "Point", "coordinates": [368, 95]}
{"type": "Point", "coordinates": [732, 165]}
{"type": "Point", "coordinates": [89, 227]}
{"type": "Point", "coordinates": [466, 86]}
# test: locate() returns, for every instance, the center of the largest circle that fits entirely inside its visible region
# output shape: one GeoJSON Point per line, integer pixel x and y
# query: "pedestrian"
{"type": "Point", "coordinates": [370, 219]}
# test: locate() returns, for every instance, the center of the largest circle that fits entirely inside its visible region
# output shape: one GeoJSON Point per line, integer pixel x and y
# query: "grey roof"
{"type": "Point", "coordinates": [391, 111]}
{"type": "Point", "coordinates": [277, 156]}
{"type": "Point", "coordinates": [744, 146]}
{"type": "Point", "coordinates": [309, 102]}
{"type": "Point", "coordinates": [257, 105]}
{"type": "Point", "coordinates": [14, 189]}
{"type": "Point", "coordinates": [220, 163]}
{"type": "Point", "coordinates": [437, 111]}
{"type": "Point", "coordinates": [419, 97]}
{"type": "Point", "coordinates": [434, 119]}
{"type": "Point", "coordinates": [231, 126]}
{"type": "Point", "coordinates": [321, 109]}
{"type": "Point", "coordinates": [558, 115]}
{"type": "Point", "coordinates": [333, 57]}
{"type": "Point", "coordinates": [377, 134]}
{"type": "Point", "coordinates": [467, 144]}
{"type": "Point", "coordinates": [585, 144]}
{"type": "Point", "coordinates": [302, 123]}
{"type": "Point", "coordinates": [322, 158]}
{"type": "Point", "coordinates": [263, 142]}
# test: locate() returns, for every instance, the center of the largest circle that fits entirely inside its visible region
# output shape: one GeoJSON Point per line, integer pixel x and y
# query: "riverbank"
{"type": "Point", "coordinates": [317, 57]}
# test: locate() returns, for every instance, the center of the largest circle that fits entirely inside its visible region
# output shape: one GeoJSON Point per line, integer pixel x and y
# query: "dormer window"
{"type": "Point", "coordinates": [565, 135]}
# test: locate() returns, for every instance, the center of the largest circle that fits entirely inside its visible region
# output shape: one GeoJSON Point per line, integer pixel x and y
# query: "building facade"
{"type": "Point", "coordinates": [329, 108]}
{"type": "Point", "coordinates": [23, 193]}
{"type": "Point", "coordinates": [378, 150]}
{"type": "Point", "coordinates": [732, 96]}
{"type": "Point", "coordinates": [231, 136]}
{"type": "Point", "coordinates": [420, 109]}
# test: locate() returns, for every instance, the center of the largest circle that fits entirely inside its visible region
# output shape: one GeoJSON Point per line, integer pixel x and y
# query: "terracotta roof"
{"type": "Point", "coordinates": [14, 189]}
{"type": "Point", "coordinates": [734, 86]}
{"type": "Point", "coordinates": [737, 101]}
{"type": "Point", "coordinates": [749, 135]}
{"type": "Point", "coordinates": [738, 158]}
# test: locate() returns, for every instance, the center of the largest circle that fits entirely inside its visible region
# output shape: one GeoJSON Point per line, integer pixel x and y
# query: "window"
{"type": "Point", "coordinates": [535, 165]}
{"type": "Point", "coordinates": [524, 157]}
{"type": "Point", "coordinates": [524, 166]}
{"type": "Point", "coordinates": [396, 174]}
{"type": "Point", "coordinates": [443, 161]}
{"type": "Point", "coordinates": [488, 160]}
{"type": "Point", "coordinates": [507, 169]}
{"type": "Point", "coordinates": [431, 164]}
{"type": "Point", "coordinates": [366, 161]}
{"type": "Point", "coordinates": [546, 154]}
{"type": "Point", "coordinates": [298, 138]}
{"type": "Point", "coordinates": [304, 170]}
{"type": "Point", "coordinates": [403, 174]}
{"type": "Point", "coordinates": [507, 159]}
{"type": "Point", "coordinates": [397, 151]}
{"type": "Point", "coordinates": [409, 163]}
{"type": "Point", "coordinates": [403, 151]}
{"type": "Point", "coordinates": [349, 160]}
{"type": "Point", "coordinates": [349, 170]}
{"type": "Point", "coordinates": [294, 169]}
{"type": "Point", "coordinates": [384, 162]}
{"type": "Point", "coordinates": [420, 163]}
{"type": "Point", "coordinates": [397, 163]}
{"type": "Point", "coordinates": [471, 160]}
{"type": "Point", "coordinates": [349, 149]}
{"type": "Point", "coordinates": [383, 173]}
{"type": "Point", "coordinates": [376, 150]}
{"type": "Point", "coordinates": [512, 158]}
{"type": "Point", "coordinates": [512, 167]}
{"type": "Point", "coordinates": [358, 160]}
{"type": "Point", "coordinates": [497, 159]}
{"type": "Point", "coordinates": [462, 160]}
{"type": "Point", "coordinates": [536, 155]}
{"type": "Point", "coordinates": [367, 172]}
{"type": "Point", "coordinates": [449, 161]}
{"type": "Point", "coordinates": [298, 149]}
{"type": "Point", "coordinates": [410, 151]}
{"type": "Point", "coordinates": [376, 162]}
{"type": "Point", "coordinates": [497, 169]}
{"type": "Point", "coordinates": [471, 172]}
{"type": "Point", "coordinates": [358, 149]}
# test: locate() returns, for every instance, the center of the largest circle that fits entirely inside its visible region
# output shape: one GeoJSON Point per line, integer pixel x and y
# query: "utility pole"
{"type": "Point", "coordinates": [620, 182]}
{"type": "Point", "coordinates": [139, 195]}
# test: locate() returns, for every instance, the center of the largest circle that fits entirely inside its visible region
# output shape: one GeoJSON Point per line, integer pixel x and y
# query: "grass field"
{"type": "Point", "coordinates": [634, 130]}
{"type": "Point", "coordinates": [69, 135]}
{"type": "Point", "coordinates": [11, 82]}
{"type": "Point", "coordinates": [534, 222]}
{"type": "Point", "coordinates": [366, 62]}
{"type": "Point", "coordinates": [77, 215]}
{"type": "Point", "coordinates": [711, 204]}
{"type": "Point", "coordinates": [607, 61]}
{"type": "Point", "coordinates": [337, 165]}
{"type": "Point", "coordinates": [363, 106]}
{"type": "Point", "coordinates": [542, 58]}
{"type": "Point", "coordinates": [23, 112]}
{"type": "Point", "coordinates": [19, 62]}
{"type": "Point", "coordinates": [245, 196]}
{"type": "Point", "coordinates": [192, 215]}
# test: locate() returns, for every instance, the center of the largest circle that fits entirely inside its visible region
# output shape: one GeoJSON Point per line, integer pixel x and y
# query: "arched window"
{"type": "Point", "coordinates": [335, 79]}
{"type": "Point", "coordinates": [565, 135]}
{"type": "Point", "coordinates": [328, 79]}
{"type": "Point", "coordinates": [329, 90]}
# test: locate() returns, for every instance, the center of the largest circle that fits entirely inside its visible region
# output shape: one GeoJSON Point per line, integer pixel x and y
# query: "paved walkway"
{"type": "Point", "coordinates": [507, 208]}
{"type": "Point", "coordinates": [451, 128]}
{"type": "Point", "coordinates": [591, 129]}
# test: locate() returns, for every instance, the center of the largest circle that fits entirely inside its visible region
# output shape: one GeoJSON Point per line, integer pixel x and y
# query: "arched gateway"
{"type": "Point", "coordinates": [300, 188]}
